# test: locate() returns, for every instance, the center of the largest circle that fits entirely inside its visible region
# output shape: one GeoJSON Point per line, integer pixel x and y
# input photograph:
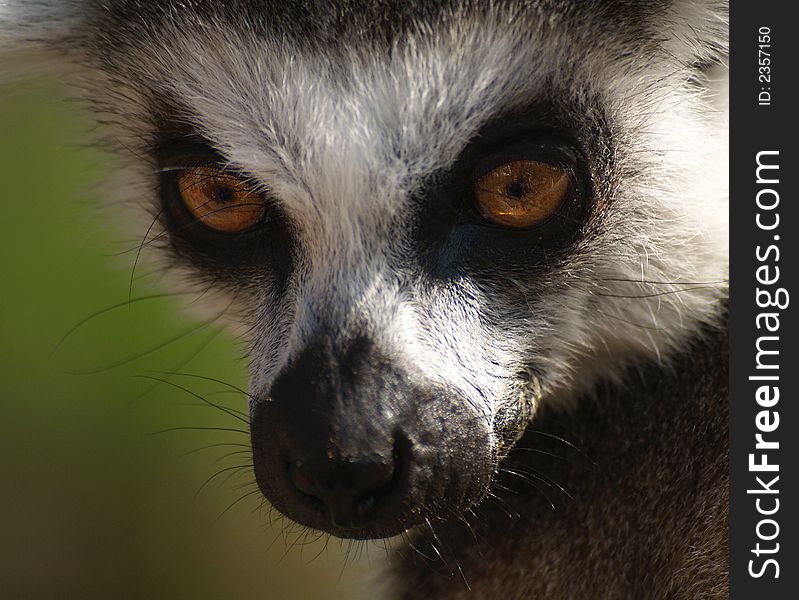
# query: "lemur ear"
{"type": "Point", "coordinates": [35, 33]}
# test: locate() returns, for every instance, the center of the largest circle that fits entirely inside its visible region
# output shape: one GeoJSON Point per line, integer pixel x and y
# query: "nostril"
{"type": "Point", "coordinates": [394, 483]}
{"type": "Point", "coordinates": [300, 476]}
{"type": "Point", "coordinates": [351, 490]}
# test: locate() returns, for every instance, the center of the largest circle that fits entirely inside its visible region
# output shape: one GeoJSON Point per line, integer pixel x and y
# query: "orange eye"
{"type": "Point", "coordinates": [522, 193]}
{"type": "Point", "coordinates": [220, 200]}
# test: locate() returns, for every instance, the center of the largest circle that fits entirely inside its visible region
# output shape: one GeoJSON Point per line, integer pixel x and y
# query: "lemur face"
{"type": "Point", "coordinates": [424, 221]}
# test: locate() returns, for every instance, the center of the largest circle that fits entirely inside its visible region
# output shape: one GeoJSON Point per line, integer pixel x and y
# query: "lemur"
{"type": "Point", "coordinates": [478, 254]}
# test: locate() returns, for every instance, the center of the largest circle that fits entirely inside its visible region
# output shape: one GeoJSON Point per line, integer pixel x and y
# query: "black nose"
{"type": "Point", "coordinates": [333, 423]}
{"type": "Point", "coordinates": [348, 488]}
{"type": "Point", "coordinates": [346, 441]}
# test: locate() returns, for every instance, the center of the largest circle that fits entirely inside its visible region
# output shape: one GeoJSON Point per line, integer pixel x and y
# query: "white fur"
{"type": "Point", "coordinates": [343, 141]}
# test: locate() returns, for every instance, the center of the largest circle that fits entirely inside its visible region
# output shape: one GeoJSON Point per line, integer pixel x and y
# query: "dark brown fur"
{"type": "Point", "coordinates": [648, 517]}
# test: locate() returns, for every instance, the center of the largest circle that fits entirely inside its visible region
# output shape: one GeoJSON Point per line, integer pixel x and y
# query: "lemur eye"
{"type": "Point", "coordinates": [220, 200]}
{"type": "Point", "coordinates": [522, 193]}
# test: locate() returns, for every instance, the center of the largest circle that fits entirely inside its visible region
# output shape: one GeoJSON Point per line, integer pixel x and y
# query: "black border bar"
{"type": "Point", "coordinates": [764, 259]}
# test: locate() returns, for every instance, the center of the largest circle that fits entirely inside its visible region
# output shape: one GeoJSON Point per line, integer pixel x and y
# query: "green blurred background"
{"type": "Point", "coordinates": [95, 503]}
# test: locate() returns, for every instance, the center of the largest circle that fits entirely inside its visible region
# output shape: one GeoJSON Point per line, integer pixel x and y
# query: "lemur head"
{"type": "Point", "coordinates": [426, 219]}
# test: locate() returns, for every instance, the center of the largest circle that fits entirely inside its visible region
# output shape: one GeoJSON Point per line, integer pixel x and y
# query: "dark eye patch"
{"type": "Point", "coordinates": [454, 234]}
{"type": "Point", "coordinates": [262, 249]}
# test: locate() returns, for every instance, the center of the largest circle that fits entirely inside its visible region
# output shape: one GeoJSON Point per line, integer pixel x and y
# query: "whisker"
{"type": "Point", "coordinates": [229, 411]}
{"type": "Point", "coordinates": [531, 481]}
{"type": "Point", "coordinates": [109, 309]}
{"type": "Point", "coordinates": [209, 446]}
{"type": "Point", "coordinates": [219, 459]}
{"type": "Point", "coordinates": [463, 519]}
{"type": "Point", "coordinates": [437, 540]}
{"type": "Point", "coordinates": [207, 378]}
{"type": "Point", "coordinates": [655, 282]}
{"type": "Point", "coordinates": [138, 355]}
{"type": "Point", "coordinates": [240, 498]}
{"type": "Point", "coordinates": [228, 429]}
{"type": "Point", "coordinates": [539, 451]}
{"type": "Point", "coordinates": [324, 547]}
{"type": "Point", "coordinates": [139, 251]}
{"type": "Point", "coordinates": [654, 294]}
{"type": "Point", "coordinates": [512, 514]}
{"type": "Point", "coordinates": [415, 549]}
{"type": "Point", "coordinates": [203, 345]}
{"type": "Point", "coordinates": [166, 233]}
{"type": "Point", "coordinates": [563, 441]}
{"type": "Point", "coordinates": [217, 474]}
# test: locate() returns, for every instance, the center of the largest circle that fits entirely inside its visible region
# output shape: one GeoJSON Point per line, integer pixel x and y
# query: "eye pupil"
{"type": "Point", "coordinates": [516, 189]}
{"type": "Point", "coordinates": [224, 194]}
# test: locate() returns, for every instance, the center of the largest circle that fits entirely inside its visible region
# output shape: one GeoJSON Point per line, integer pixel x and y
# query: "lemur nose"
{"type": "Point", "coordinates": [331, 441]}
{"type": "Point", "coordinates": [348, 488]}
